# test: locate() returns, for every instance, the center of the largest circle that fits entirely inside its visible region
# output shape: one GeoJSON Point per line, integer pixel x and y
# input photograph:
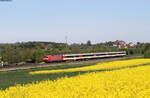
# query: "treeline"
{"type": "Point", "coordinates": [33, 52]}
{"type": "Point", "coordinates": [140, 49]}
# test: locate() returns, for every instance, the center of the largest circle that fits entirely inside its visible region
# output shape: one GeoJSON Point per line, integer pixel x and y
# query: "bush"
{"type": "Point", "coordinates": [147, 54]}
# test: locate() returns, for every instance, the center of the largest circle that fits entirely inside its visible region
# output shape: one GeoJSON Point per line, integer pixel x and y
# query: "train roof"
{"type": "Point", "coordinates": [78, 54]}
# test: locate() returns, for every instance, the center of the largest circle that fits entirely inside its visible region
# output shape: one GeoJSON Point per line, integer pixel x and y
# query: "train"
{"type": "Point", "coordinates": [82, 56]}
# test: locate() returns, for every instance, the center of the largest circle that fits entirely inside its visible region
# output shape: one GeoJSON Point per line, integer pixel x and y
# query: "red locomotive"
{"type": "Point", "coordinates": [82, 56]}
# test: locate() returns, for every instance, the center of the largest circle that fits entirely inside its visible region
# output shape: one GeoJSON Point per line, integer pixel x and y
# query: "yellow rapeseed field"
{"type": "Point", "coordinates": [99, 66]}
{"type": "Point", "coordinates": [117, 83]}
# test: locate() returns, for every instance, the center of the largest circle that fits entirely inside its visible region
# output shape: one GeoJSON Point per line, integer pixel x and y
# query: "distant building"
{"type": "Point", "coordinates": [123, 44]}
{"type": "Point", "coordinates": [120, 44]}
{"type": "Point", "coordinates": [131, 45]}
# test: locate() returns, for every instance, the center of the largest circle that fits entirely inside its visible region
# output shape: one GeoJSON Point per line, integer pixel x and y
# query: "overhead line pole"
{"type": "Point", "coordinates": [66, 39]}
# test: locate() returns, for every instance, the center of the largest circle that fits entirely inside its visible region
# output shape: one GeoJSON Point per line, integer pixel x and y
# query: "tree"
{"type": "Point", "coordinates": [147, 46]}
{"type": "Point", "coordinates": [88, 43]}
{"type": "Point", "coordinates": [7, 54]}
{"type": "Point", "coordinates": [147, 54]}
{"type": "Point", "coordinates": [38, 55]}
{"type": "Point", "coordinates": [109, 43]}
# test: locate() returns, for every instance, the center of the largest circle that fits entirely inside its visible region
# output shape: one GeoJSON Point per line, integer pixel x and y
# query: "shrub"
{"type": "Point", "coordinates": [147, 54]}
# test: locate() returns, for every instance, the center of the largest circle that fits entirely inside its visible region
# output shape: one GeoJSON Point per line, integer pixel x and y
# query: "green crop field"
{"type": "Point", "coordinates": [11, 78]}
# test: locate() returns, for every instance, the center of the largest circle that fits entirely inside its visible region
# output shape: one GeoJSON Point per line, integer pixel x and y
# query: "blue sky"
{"type": "Point", "coordinates": [80, 20]}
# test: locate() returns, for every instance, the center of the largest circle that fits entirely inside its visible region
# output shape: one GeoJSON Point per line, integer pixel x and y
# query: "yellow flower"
{"type": "Point", "coordinates": [99, 66]}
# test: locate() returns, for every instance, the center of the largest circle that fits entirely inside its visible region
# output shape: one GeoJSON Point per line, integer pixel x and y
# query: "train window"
{"type": "Point", "coordinates": [46, 57]}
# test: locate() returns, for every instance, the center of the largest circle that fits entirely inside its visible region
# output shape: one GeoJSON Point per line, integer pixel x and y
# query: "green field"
{"type": "Point", "coordinates": [11, 78]}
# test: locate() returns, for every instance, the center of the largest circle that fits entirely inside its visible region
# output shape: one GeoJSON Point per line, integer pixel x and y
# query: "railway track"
{"type": "Point", "coordinates": [63, 63]}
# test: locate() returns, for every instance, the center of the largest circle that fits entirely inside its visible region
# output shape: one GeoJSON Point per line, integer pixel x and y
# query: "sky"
{"type": "Point", "coordinates": [79, 20]}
